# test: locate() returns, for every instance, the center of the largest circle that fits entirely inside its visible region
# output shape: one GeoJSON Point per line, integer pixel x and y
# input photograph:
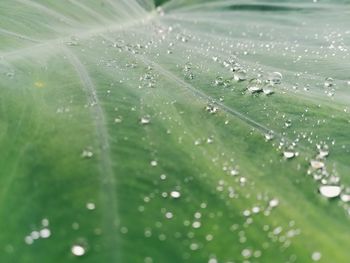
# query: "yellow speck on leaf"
{"type": "Point", "coordinates": [39, 84]}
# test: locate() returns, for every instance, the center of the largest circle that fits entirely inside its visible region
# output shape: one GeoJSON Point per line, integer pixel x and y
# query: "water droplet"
{"type": "Point", "coordinates": [87, 154]}
{"type": "Point", "coordinates": [196, 224]}
{"type": "Point", "coordinates": [317, 164]}
{"type": "Point", "coordinates": [255, 86]}
{"type": "Point", "coordinates": [169, 215]}
{"type": "Point", "coordinates": [175, 194]}
{"type": "Point", "coordinates": [211, 109]}
{"type": "Point", "coordinates": [275, 78]}
{"type": "Point", "coordinates": [289, 154]}
{"type": "Point", "coordinates": [234, 172]}
{"type": "Point", "coordinates": [90, 206]}
{"type": "Point", "coordinates": [288, 123]}
{"type": "Point", "coordinates": [145, 120]}
{"type": "Point", "coordinates": [219, 81]}
{"type": "Point", "coordinates": [118, 120]}
{"type": "Point", "coordinates": [345, 198]}
{"type": "Point", "coordinates": [328, 82]}
{"type": "Point", "coordinates": [316, 256]}
{"type": "Point", "coordinates": [269, 136]}
{"type": "Point", "coordinates": [268, 90]}
{"type": "Point", "coordinates": [45, 233]}
{"type": "Point", "coordinates": [28, 240]}
{"type": "Point", "coordinates": [78, 250]}
{"type": "Point", "coordinates": [330, 191]}
{"type": "Point", "coordinates": [273, 202]}
{"type": "Point", "coordinates": [35, 235]}
{"type": "Point", "coordinates": [240, 75]}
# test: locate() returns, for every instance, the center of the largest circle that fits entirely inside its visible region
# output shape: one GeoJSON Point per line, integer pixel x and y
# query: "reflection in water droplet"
{"type": "Point", "coordinates": [78, 250]}
{"type": "Point", "coordinates": [330, 191]}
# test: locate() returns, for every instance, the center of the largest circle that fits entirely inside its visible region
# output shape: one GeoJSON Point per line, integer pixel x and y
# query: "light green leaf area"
{"type": "Point", "coordinates": [197, 131]}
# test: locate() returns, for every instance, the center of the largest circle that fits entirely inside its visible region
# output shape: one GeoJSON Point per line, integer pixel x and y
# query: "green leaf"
{"type": "Point", "coordinates": [197, 131]}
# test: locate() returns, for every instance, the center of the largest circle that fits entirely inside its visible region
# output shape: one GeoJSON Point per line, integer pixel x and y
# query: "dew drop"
{"type": "Point", "coordinates": [275, 78]}
{"type": "Point", "coordinates": [273, 202]}
{"type": "Point", "coordinates": [289, 154]}
{"type": "Point", "coordinates": [330, 191]}
{"type": "Point", "coordinates": [288, 123]}
{"type": "Point", "coordinates": [317, 164]}
{"type": "Point", "coordinates": [328, 82]}
{"type": "Point", "coordinates": [28, 240]}
{"type": "Point", "coordinates": [255, 86]}
{"type": "Point", "coordinates": [87, 154]}
{"type": "Point", "coordinates": [175, 194]}
{"type": "Point", "coordinates": [45, 233]}
{"type": "Point", "coordinates": [78, 250]}
{"type": "Point", "coordinates": [240, 75]}
{"type": "Point", "coordinates": [269, 136]}
{"type": "Point", "coordinates": [145, 120]}
{"type": "Point", "coordinates": [316, 256]}
{"type": "Point", "coordinates": [90, 206]}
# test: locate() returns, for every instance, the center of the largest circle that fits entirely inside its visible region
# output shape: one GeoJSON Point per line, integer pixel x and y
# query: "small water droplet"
{"type": "Point", "coordinates": [211, 109]}
{"type": "Point", "coordinates": [273, 203]}
{"type": "Point", "coordinates": [87, 154]}
{"type": "Point", "coordinates": [255, 86]}
{"type": "Point", "coordinates": [118, 120]}
{"type": "Point", "coordinates": [90, 206]}
{"type": "Point", "coordinates": [316, 256]}
{"type": "Point", "coordinates": [175, 194]}
{"type": "Point", "coordinates": [45, 233]}
{"type": "Point", "coordinates": [269, 136]}
{"type": "Point", "coordinates": [28, 240]}
{"type": "Point", "coordinates": [145, 120]}
{"type": "Point", "coordinates": [289, 154]}
{"type": "Point", "coordinates": [240, 75]}
{"type": "Point", "coordinates": [78, 250]}
{"type": "Point", "coordinates": [328, 82]}
{"type": "Point", "coordinates": [288, 123]}
{"type": "Point", "coordinates": [330, 191]}
{"type": "Point", "coordinates": [317, 164]}
{"type": "Point", "coordinates": [275, 78]}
